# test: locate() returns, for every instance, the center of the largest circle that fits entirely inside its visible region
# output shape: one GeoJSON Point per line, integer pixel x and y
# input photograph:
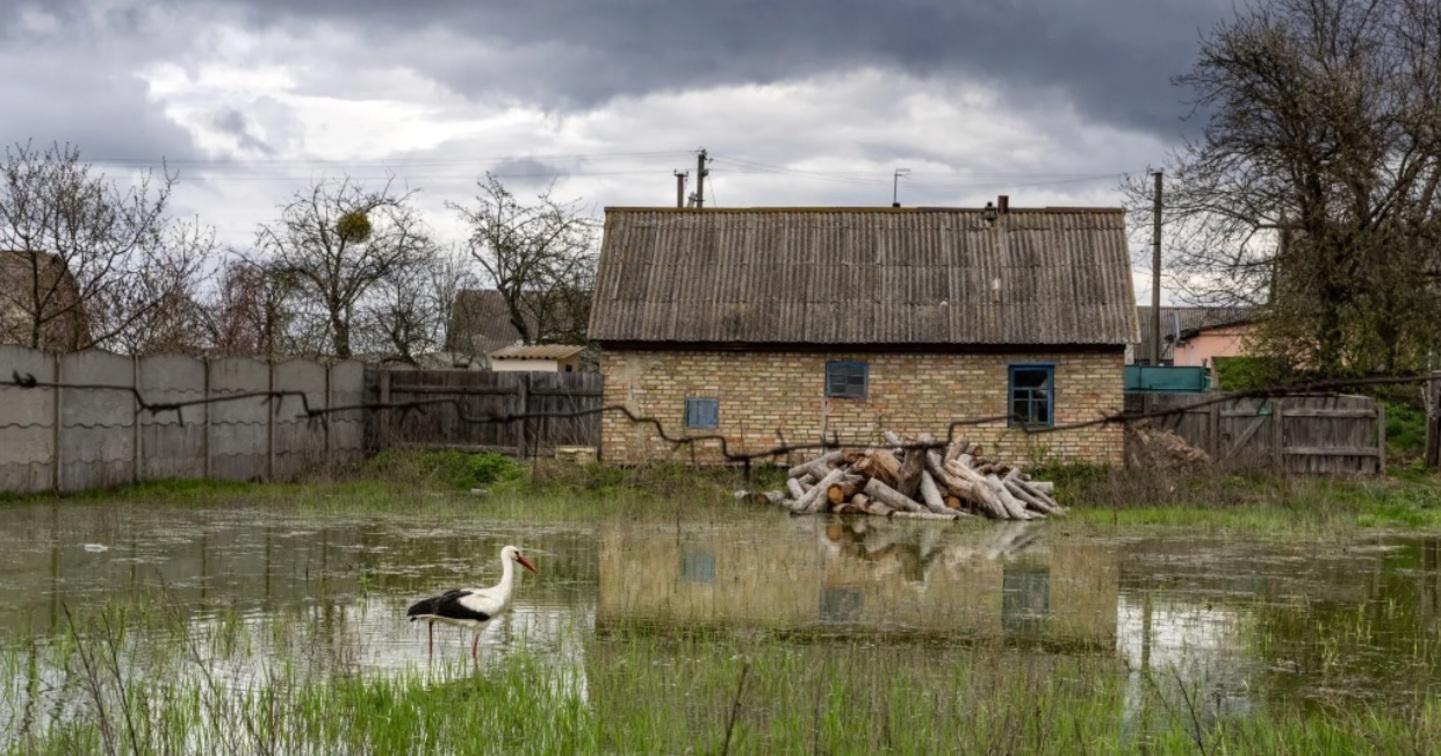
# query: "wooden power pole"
{"type": "Point", "coordinates": [1156, 273]}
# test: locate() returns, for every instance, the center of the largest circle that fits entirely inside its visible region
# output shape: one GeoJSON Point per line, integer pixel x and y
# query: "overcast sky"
{"type": "Point", "coordinates": [803, 102]}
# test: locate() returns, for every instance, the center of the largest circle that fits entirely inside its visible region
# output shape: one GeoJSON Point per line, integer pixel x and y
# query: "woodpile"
{"type": "Point", "coordinates": [1152, 448]}
{"type": "Point", "coordinates": [915, 479]}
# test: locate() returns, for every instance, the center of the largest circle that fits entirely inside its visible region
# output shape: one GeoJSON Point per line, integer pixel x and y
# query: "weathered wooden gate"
{"type": "Point", "coordinates": [459, 398]}
{"type": "Point", "coordinates": [1292, 434]}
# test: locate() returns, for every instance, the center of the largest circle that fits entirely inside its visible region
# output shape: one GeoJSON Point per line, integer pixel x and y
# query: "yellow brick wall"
{"type": "Point", "coordinates": [765, 396]}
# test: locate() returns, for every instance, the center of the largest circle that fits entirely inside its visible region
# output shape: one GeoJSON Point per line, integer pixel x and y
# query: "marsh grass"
{"type": "Point", "coordinates": [646, 693]}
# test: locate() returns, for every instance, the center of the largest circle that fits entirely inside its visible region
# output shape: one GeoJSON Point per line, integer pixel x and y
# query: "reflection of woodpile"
{"type": "Point", "coordinates": [912, 480]}
{"type": "Point", "coordinates": [864, 574]}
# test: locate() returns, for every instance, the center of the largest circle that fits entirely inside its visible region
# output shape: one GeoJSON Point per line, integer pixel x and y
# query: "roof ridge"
{"type": "Point", "coordinates": [854, 209]}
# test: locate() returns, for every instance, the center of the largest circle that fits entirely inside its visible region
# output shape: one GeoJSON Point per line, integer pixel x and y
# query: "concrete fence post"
{"type": "Point", "coordinates": [270, 408]}
{"type": "Point", "coordinates": [57, 455]}
{"type": "Point", "coordinates": [1433, 421]}
{"type": "Point", "coordinates": [137, 441]}
{"type": "Point", "coordinates": [327, 418]}
{"type": "Point", "coordinates": [205, 423]}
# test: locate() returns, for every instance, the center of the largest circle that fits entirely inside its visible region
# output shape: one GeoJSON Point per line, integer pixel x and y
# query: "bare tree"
{"type": "Point", "coordinates": [85, 262]}
{"type": "Point", "coordinates": [1312, 191]}
{"type": "Point", "coordinates": [540, 257]}
{"type": "Point", "coordinates": [409, 311]}
{"type": "Point", "coordinates": [337, 242]}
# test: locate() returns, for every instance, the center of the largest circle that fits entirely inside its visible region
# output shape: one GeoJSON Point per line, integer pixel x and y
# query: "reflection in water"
{"type": "Point", "coordinates": [1006, 581]}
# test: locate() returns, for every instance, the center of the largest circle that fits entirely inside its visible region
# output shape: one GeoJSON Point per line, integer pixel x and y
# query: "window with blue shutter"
{"type": "Point", "coordinates": [702, 413]}
{"type": "Point", "coordinates": [846, 379]}
{"type": "Point", "coordinates": [1033, 395]}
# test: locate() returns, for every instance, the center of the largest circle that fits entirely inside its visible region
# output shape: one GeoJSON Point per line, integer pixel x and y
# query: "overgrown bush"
{"type": "Point", "coordinates": [445, 468]}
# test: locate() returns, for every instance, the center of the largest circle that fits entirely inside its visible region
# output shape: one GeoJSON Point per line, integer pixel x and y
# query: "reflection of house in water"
{"type": "Point", "coordinates": [990, 581]}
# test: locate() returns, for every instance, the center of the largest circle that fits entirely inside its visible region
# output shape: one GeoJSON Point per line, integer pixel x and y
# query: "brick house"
{"type": "Point", "coordinates": [38, 286]}
{"type": "Point", "coordinates": [809, 321]}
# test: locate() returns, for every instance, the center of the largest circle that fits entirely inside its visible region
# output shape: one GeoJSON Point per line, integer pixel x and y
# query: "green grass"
{"type": "Point", "coordinates": [1257, 503]}
{"type": "Point", "coordinates": [441, 483]}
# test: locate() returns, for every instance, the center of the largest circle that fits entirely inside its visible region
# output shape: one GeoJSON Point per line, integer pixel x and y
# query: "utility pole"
{"type": "Point", "coordinates": [1156, 273]}
{"type": "Point", "coordinates": [896, 185]}
{"type": "Point", "coordinates": [680, 177]}
{"type": "Point", "coordinates": [700, 174]}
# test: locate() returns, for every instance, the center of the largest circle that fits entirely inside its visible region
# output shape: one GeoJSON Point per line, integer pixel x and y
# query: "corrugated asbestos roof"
{"type": "Point", "coordinates": [864, 276]}
{"type": "Point", "coordinates": [537, 352]}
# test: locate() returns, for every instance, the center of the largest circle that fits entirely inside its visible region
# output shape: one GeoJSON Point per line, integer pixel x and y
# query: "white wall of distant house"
{"type": "Point", "coordinates": [518, 366]}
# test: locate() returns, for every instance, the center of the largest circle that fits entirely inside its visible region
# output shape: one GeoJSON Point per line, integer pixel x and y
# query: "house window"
{"type": "Point", "coordinates": [846, 380]}
{"type": "Point", "coordinates": [1033, 393]}
{"type": "Point", "coordinates": [702, 413]}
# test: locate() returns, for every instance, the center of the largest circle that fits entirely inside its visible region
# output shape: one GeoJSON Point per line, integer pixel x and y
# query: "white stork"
{"type": "Point", "coordinates": [471, 607]}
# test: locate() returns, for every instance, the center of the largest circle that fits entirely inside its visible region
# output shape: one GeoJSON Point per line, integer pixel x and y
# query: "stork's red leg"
{"type": "Point", "coordinates": [430, 640]}
{"type": "Point", "coordinates": [475, 648]}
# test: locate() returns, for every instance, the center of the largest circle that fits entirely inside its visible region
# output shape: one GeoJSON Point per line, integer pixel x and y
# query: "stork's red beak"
{"type": "Point", "coordinates": [526, 563]}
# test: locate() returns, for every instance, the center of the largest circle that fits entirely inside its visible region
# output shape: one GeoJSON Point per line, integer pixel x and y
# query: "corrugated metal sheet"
{"type": "Point", "coordinates": [864, 276]}
{"type": "Point", "coordinates": [1184, 320]}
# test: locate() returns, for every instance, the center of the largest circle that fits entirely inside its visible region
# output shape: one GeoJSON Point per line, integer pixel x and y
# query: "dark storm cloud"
{"type": "Point", "coordinates": [1114, 58]}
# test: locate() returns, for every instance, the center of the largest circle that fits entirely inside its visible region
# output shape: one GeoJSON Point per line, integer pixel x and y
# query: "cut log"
{"type": "Point", "coordinates": [953, 502]}
{"type": "Point", "coordinates": [949, 516]}
{"type": "Point", "coordinates": [980, 494]}
{"type": "Point", "coordinates": [953, 484]}
{"type": "Point", "coordinates": [797, 490]}
{"type": "Point", "coordinates": [908, 481]}
{"type": "Point", "coordinates": [894, 439]}
{"type": "Point", "coordinates": [891, 497]}
{"type": "Point", "coordinates": [846, 489]}
{"type": "Point", "coordinates": [1043, 486]}
{"type": "Point", "coordinates": [771, 497]}
{"type": "Point", "coordinates": [881, 464]}
{"type": "Point", "coordinates": [815, 498]}
{"type": "Point", "coordinates": [1031, 501]}
{"type": "Point", "coordinates": [861, 501]}
{"type": "Point", "coordinates": [931, 494]}
{"type": "Point", "coordinates": [954, 449]}
{"type": "Point", "coordinates": [1042, 501]}
{"type": "Point", "coordinates": [1015, 510]}
{"type": "Point", "coordinates": [817, 467]}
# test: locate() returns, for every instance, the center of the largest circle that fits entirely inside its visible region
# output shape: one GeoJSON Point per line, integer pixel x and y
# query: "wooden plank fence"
{"type": "Point", "coordinates": [1323, 434]}
{"type": "Point", "coordinates": [484, 394]}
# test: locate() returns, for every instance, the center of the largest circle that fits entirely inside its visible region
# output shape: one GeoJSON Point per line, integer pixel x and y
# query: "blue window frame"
{"type": "Point", "coordinates": [1032, 395]}
{"type": "Point", "coordinates": [702, 413]}
{"type": "Point", "coordinates": [847, 379]}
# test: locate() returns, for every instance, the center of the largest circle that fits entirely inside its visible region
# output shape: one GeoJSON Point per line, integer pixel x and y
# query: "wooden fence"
{"type": "Point", "coordinates": [483, 394]}
{"type": "Point", "coordinates": [1296, 434]}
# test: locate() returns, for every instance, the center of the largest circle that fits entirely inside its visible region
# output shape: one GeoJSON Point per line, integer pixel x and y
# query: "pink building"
{"type": "Point", "coordinates": [1195, 336]}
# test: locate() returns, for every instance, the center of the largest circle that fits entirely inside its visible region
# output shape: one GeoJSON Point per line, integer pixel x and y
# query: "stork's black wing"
{"type": "Point", "coordinates": [431, 606]}
{"type": "Point", "coordinates": [447, 605]}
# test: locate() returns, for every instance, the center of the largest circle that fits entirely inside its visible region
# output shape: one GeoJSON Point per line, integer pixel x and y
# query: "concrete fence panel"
{"type": "Point", "coordinates": [98, 430]}
{"type": "Point", "coordinates": [299, 442]}
{"type": "Point", "coordinates": [347, 429]}
{"type": "Point", "coordinates": [172, 444]}
{"type": "Point", "coordinates": [239, 431]}
{"type": "Point", "coordinates": [27, 423]}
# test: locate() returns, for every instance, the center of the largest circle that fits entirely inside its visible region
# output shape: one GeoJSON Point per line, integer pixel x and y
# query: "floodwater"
{"type": "Point", "coordinates": [1245, 621]}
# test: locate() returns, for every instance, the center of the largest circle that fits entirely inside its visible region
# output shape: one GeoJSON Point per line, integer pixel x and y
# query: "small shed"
{"type": "Point", "coordinates": [537, 358]}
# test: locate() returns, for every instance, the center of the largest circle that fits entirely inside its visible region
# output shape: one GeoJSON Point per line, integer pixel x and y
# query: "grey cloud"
{"type": "Point", "coordinates": [233, 122]}
{"type": "Point", "coordinates": [1115, 58]}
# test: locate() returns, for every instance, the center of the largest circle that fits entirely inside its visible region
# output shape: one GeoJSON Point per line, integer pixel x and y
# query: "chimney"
{"type": "Point", "coordinates": [1003, 204]}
